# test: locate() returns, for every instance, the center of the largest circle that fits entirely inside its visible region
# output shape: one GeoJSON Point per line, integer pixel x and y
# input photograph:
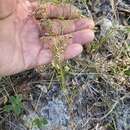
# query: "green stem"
{"type": "Point", "coordinates": [62, 78]}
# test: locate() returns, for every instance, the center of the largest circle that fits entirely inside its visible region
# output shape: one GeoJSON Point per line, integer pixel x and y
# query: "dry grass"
{"type": "Point", "coordinates": [102, 72]}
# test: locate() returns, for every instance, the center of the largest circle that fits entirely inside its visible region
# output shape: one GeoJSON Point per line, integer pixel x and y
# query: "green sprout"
{"type": "Point", "coordinates": [40, 122]}
{"type": "Point", "coordinates": [15, 105]}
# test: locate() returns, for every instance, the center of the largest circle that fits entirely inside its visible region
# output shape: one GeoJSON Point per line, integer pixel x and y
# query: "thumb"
{"type": "Point", "coordinates": [7, 7]}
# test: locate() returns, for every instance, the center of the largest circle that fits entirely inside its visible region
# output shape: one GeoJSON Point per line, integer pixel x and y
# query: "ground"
{"type": "Point", "coordinates": [96, 95]}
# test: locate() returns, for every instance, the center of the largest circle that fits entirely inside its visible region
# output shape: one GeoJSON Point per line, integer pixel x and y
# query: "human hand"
{"type": "Point", "coordinates": [20, 45]}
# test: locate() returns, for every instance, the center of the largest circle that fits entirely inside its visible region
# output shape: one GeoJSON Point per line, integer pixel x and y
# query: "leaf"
{"type": "Point", "coordinates": [40, 122]}
{"type": "Point", "coordinates": [7, 108]}
{"type": "Point", "coordinates": [127, 29]}
{"type": "Point", "coordinates": [45, 122]}
{"type": "Point", "coordinates": [127, 72]}
{"type": "Point", "coordinates": [15, 106]}
{"type": "Point", "coordinates": [17, 109]}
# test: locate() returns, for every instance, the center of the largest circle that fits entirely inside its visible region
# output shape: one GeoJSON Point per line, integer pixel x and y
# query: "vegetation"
{"type": "Point", "coordinates": [98, 80]}
{"type": "Point", "coordinates": [39, 122]}
{"type": "Point", "coordinates": [15, 105]}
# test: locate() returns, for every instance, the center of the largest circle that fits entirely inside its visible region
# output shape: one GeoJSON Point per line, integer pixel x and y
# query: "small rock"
{"type": "Point", "coordinates": [105, 25]}
{"type": "Point", "coordinates": [42, 87]}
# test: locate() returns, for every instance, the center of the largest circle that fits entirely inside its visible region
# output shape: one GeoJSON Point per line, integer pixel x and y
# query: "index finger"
{"type": "Point", "coordinates": [51, 10]}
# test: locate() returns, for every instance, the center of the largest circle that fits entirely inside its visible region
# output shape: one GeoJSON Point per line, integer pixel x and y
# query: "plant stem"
{"type": "Point", "coordinates": [62, 78]}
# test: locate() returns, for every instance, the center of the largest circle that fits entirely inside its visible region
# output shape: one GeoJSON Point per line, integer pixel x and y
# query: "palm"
{"type": "Point", "coordinates": [29, 40]}
{"type": "Point", "coordinates": [23, 49]}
